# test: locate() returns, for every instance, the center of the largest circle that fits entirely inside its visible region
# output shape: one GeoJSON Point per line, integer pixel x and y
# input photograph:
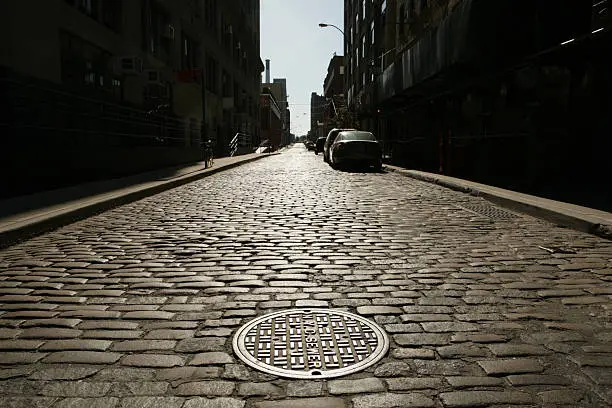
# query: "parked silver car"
{"type": "Point", "coordinates": [355, 147]}
{"type": "Point", "coordinates": [331, 137]}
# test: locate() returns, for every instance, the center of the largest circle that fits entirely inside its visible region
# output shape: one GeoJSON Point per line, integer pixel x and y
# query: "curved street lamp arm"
{"type": "Point", "coordinates": [331, 25]}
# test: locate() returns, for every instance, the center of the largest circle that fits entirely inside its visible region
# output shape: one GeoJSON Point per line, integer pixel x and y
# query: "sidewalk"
{"type": "Point", "coordinates": [569, 215]}
{"type": "Point", "coordinates": [26, 216]}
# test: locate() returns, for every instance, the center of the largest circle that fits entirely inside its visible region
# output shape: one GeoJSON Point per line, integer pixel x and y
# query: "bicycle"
{"type": "Point", "coordinates": [208, 155]}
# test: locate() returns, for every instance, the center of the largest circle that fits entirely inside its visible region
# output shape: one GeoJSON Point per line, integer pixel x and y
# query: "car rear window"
{"type": "Point", "coordinates": [357, 136]}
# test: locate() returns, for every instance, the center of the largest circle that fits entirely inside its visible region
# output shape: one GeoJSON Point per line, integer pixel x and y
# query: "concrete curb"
{"type": "Point", "coordinates": [40, 224]}
{"type": "Point", "coordinates": [564, 214]}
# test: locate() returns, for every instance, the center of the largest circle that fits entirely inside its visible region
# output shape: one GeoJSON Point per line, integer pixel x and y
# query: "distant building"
{"type": "Point", "coordinates": [334, 81]}
{"type": "Point", "coordinates": [271, 118]}
{"type": "Point", "coordinates": [278, 87]}
{"type": "Point", "coordinates": [333, 89]}
{"type": "Point", "coordinates": [284, 106]}
{"type": "Point", "coordinates": [318, 105]}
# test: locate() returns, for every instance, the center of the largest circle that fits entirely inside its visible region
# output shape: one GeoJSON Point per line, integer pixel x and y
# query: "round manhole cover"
{"type": "Point", "coordinates": [310, 343]}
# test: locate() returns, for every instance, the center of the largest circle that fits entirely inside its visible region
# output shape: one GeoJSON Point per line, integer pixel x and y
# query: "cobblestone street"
{"type": "Point", "coordinates": [136, 307]}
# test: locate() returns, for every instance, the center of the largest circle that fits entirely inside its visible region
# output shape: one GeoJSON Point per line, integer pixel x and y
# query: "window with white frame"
{"type": "Point", "coordinates": [363, 46]}
{"type": "Point", "coordinates": [372, 32]}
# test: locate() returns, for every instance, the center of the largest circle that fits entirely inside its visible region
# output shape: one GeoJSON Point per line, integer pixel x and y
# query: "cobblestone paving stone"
{"type": "Point", "coordinates": [136, 307]}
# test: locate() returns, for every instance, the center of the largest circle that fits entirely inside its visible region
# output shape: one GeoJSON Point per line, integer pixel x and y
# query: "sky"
{"type": "Point", "coordinates": [299, 49]}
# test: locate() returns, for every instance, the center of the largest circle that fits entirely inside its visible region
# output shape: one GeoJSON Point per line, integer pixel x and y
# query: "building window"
{"type": "Point", "coordinates": [402, 13]}
{"type": "Point", "coordinates": [244, 62]}
{"type": "Point", "coordinates": [341, 70]}
{"type": "Point", "coordinates": [210, 14]}
{"type": "Point", "coordinates": [211, 74]}
{"type": "Point", "coordinates": [188, 53]}
{"type": "Point", "coordinates": [107, 12]}
{"type": "Point", "coordinates": [159, 31]}
{"type": "Point", "coordinates": [83, 63]}
{"type": "Point", "coordinates": [372, 32]}
{"type": "Point", "coordinates": [423, 5]}
{"type": "Point", "coordinates": [226, 85]}
{"type": "Point", "coordinates": [363, 79]}
{"type": "Point", "coordinates": [88, 7]}
{"type": "Point", "coordinates": [363, 46]}
{"type": "Point", "coordinates": [363, 9]}
{"type": "Point", "coordinates": [117, 88]}
{"type": "Point", "coordinates": [356, 23]}
{"type": "Point", "coordinates": [383, 7]}
{"type": "Point", "coordinates": [111, 14]}
{"type": "Point", "coordinates": [228, 31]}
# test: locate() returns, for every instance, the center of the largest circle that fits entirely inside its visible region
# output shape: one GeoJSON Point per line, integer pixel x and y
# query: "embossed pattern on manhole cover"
{"type": "Point", "coordinates": [310, 343]}
{"type": "Point", "coordinates": [488, 210]}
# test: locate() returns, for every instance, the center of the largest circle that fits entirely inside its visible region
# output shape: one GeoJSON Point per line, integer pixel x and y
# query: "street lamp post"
{"type": "Point", "coordinates": [323, 25]}
{"type": "Point", "coordinates": [331, 25]}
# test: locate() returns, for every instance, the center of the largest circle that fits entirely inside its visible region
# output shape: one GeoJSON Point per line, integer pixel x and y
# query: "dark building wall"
{"type": "Point", "coordinates": [538, 129]}
{"type": "Point", "coordinates": [467, 94]}
{"type": "Point", "coordinates": [68, 90]}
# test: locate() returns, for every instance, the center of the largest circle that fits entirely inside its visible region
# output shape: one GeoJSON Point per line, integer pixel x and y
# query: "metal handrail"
{"type": "Point", "coordinates": [234, 144]}
{"type": "Point", "coordinates": [243, 140]}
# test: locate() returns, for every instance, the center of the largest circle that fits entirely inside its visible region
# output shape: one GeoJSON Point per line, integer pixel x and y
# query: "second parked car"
{"type": "Point", "coordinates": [319, 145]}
{"type": "Point", "coordinates": [355, 147]}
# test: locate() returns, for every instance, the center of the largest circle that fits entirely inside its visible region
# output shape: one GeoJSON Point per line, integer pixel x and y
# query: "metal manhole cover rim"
{"type": "Point", "coordinates": [488, 210]}
{"type": "Point", "coordinates": [239, 347]}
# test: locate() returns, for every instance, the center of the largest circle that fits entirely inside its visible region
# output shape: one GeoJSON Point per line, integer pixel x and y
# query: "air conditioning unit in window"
{"type": "Point", "coordinates": [128, 65]}
{"type": "Point", "coordinates": [168, 32]}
